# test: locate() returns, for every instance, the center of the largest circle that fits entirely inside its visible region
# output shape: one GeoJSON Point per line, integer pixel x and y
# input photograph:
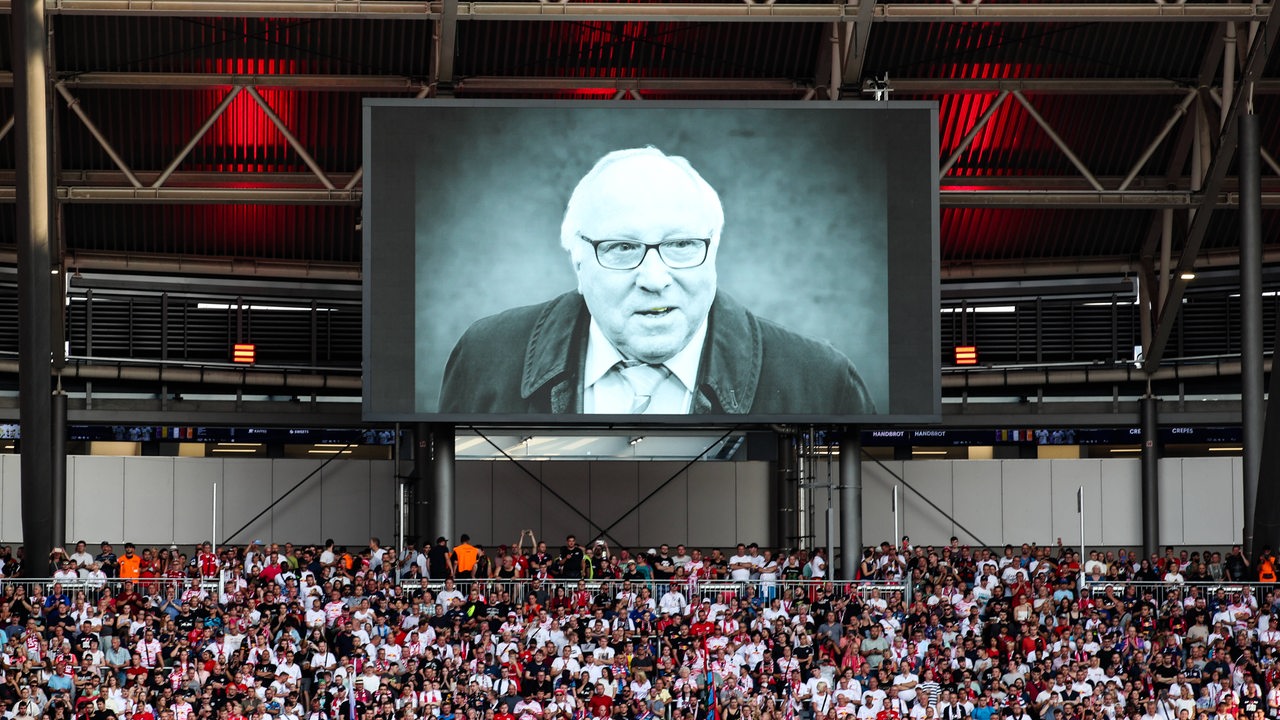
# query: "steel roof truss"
{"type": "Point", "coordinates": [1215, 176]}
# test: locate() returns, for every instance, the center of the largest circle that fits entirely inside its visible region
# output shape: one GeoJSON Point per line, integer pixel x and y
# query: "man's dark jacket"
{"type": "Point", "coordinates": [529, 360]}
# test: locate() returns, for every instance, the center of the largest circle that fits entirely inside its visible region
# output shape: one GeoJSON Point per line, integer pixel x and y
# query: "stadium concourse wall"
{"type": "Point", "coordinates": [161, 500]}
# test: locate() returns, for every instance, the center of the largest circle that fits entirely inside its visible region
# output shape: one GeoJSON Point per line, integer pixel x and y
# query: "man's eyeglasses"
{"type": "Point", "coordinates": [676, 253]}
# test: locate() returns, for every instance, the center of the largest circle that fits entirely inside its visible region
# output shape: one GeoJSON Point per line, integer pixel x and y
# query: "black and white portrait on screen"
{"type": "Point", "coordinates": [646, 331]}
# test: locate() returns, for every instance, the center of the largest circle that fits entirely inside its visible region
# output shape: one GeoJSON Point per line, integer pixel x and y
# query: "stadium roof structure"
{"type": "Point", "coordinates": [208, 157]}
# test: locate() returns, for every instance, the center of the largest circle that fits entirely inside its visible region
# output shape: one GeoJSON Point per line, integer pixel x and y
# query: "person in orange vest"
{"type": "Point", "coordinates": [1267, 567]}
{"type": "Point", "coordinates": [464, 557]}
{"type": "Point", "coordinates": [129, 564]}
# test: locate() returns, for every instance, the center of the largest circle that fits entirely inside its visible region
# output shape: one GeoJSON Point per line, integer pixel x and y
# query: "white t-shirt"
{"type": "Point", "coordinates": [906, 678]}
{"type": "Point", "coordinates": [740, 574]}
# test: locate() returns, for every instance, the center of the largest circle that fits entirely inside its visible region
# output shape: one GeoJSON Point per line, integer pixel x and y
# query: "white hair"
{"type": "Point", "coordinates": [569, 226]}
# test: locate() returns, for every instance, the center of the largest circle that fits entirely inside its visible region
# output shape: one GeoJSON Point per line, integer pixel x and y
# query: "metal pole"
{"type": "Point", "coordinates": [74, 104]}
{"type": "Point", "coordinates": [1057, 140]}
{"type": "Point", "coordinates": [1178, 112]}
{"type": "Point", "coordinates": [831, 515]}
{"type": "Point", "coordinates": [35, 387]}
{"type": "Point", "coordinates": [968, 138]}
{"type": "Point", "coordinates": [804, 520]}
{"type": "Point", "coordinates": [1145, 308]}
{"type": "Point", "coordinates": [1150, 477]}
{"type": "Point", "coordinates": [213, 524]}
{"type": "Point", "coordinates": [291, 139]}
{"type": "Point", "coordinates": [1166, 253]}
{"type": "Point", "coordinates": [1080, 510]}
{"type": "Point", "coordinates": [422, 485]}
{"type": "Point", "coordinates": [400, 508]}
{"type": "Point", "coordinates": [400, 522]}
{"type": "Point", "coordinates": [195, 139]}
{"type": "Point", "coordinates": [897, 519]}
{"type": "Point", "coordinates": [1251, 375]}
{"type": "Point", "coordinates": [1228, 73]}
{"type": "Point", "coordinates": [442, 480]}
{"type": "Point", "coordinates": [850, 502]}
{"type": "Point", "coordinates": [786, 523]}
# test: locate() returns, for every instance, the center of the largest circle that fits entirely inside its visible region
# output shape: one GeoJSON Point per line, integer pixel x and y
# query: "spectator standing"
{"type": "Point", "coordinates": [440, 560]}
{"type": "Point", "coordinates": [464, 557]}
{"type": "Point", "coordinates": [106, 560]}
{"type": "Point", "coordinates": [130, 564]}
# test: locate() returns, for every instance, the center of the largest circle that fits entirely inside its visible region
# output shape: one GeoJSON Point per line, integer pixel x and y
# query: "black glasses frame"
{"type": "Point", "coordinates": [595, 245]}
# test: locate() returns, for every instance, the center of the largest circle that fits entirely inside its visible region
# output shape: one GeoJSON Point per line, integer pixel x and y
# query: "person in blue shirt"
{"type": "Point", "coordinates": [983, 710]}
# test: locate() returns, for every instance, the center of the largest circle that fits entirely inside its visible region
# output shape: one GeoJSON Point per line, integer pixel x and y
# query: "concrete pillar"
{"type": "Point", "coordinates": [1251, 376]}
{"type": "Point", "coordinates": [443, 482]}
{"type": "Point", "coordinates": [850, 503]}
{"type": "Point", "coordinates": [31, 139]}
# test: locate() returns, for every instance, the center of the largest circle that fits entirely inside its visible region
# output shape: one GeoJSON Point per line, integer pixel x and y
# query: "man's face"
{"type": "Point", "coordinates": [650, 312]}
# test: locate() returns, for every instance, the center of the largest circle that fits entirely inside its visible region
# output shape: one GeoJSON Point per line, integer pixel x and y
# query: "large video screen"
{"type": "Point", "coordinates": [650, 262]}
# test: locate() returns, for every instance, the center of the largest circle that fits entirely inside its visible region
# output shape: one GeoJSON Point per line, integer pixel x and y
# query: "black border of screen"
{"type": "Point", "coordinates": [906, 363]}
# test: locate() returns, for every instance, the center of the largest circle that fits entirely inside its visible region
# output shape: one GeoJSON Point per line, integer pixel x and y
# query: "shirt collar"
{"type": "Point", "coordinates": [602, 356]}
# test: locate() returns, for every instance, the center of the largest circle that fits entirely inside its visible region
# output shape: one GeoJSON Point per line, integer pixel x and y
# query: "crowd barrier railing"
{"type": "Point", "coordinates": [91, 590]}
{"type": "Point", "coordinates": [1164, 592]}
{"type": "Point", "coordinates": [155, 590]}
{"type": "Point", "coordinates": [711, 590]}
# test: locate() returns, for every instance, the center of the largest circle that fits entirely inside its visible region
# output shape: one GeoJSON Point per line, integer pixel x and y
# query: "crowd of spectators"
{"type": "Point", "coordinates": [283, 632]}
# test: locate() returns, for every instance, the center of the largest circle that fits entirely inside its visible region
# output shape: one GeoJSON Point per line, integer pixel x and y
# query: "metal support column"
{"type": "Point", "coordinates": [1251, 382]}
{"type": "Point", "coordinates": [1150, 477]}
{"type": "Point", "coordinates": [31, 139]}
{"type": "Point", "coordinates": [805, 535]}
{"type": "Point", "coordinates": [443, 480]}
{"type": "Point", "coordinates": [787, 488]}
{"type": "Point", "coordinates": [58, 470]}
{"type": "Point", "coordinates": [850, 504]}
{"type": "Point", "coordinates": [1266, 518]}
{"type": "Point", "coordinates": [420, 515]}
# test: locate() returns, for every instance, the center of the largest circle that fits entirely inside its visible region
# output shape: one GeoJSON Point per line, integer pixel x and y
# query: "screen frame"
{"type": "Point", "coordinates": [403, 344]}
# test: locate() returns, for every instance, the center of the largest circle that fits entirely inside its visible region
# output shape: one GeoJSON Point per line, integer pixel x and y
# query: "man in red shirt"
{"type": "Point", "coordinates": [600, 704]}
{"type": "Point", "coordinates": [891, 710]}
{"type": "Point", "coordinates": [206, 561]}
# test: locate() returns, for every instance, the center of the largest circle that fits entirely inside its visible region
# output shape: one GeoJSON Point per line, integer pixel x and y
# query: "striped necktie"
{"type": "Point", "coordinates": [644, 380]}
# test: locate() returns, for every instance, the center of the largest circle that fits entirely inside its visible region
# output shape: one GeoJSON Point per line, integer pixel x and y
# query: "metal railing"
{"type": "Point", "coordinates": [1264, 595]}
{"type": "Point", "coordinates": [90, 590]}
{"type": "Point", "coordinates": [706, 590]}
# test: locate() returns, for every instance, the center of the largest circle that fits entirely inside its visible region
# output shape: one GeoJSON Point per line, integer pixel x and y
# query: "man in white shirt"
{"type": "Point", "coordinates": [905, 683]}
{"type": "Point", "coordinates": [818, 565]}
{"type": "Point", "coordinates": [82, 558]}
{"type": "Point", "coordinates": [673, 602]}
{"type": "Point", "coordinates": [446, 597]}
{"type": "Point", "coordinates": [741, 565]}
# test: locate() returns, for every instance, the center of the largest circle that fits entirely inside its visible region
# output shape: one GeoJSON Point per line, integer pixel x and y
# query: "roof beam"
{"type": "Point", "coordinates": [669, 12]}
{"type": "Point", "coordinates": [855, 52]}
{"type": "Point", "coordinates": [884, 12]}
{"type": "Point", "coordinates": [495, 84]}
{"type": "Point", "coordinates": [172, 194]}
{"type": "Point", "coordinates": [1084, 199]}
{"type": "Point", "coordinates": [199, 81]}
{"type": "Point", "coordinates": [198, 195]}
{"type": "Point", "coordinates": [1214, 179]}
{"type": "Point", "coordinates": [446, 46]}
{"type": "Point", "coordinates": [1054, 86]}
